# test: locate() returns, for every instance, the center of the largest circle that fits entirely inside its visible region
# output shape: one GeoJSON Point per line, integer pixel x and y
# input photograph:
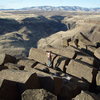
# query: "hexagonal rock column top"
{"type": "Point", "coordinates": [81, 67]}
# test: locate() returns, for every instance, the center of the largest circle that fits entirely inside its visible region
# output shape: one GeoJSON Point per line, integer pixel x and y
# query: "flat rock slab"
{"type": "Point", "coordinates": [88, 60]}
{"type": "Point", "coordinates": [98, 78]}
{"type": "Point", "coordinates": [61, 51]}
{"type": "Point", "coordinates": [28, 63]}
{"type": "Point", "coordinates": [40, 73]}
{"type": "Point", "coordinates": [14, 82]}
{"type": "Point", "coordinates": [39, 55]}
{"type": "Point", "coordinates": [81, 68]}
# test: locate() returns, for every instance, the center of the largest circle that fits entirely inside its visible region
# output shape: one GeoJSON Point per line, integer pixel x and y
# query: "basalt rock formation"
{"type": "Point", "coordinates": [75, 58]}
{"type": "Point", "coordinates": [65, 80]}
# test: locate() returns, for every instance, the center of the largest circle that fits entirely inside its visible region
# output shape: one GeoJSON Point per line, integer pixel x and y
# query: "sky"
{"type": "Point", "coordinates": [5, 4]}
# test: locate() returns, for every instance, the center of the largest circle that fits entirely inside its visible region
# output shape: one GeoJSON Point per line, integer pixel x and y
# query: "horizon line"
{"type": "Point", "coordinates": [51, 6]}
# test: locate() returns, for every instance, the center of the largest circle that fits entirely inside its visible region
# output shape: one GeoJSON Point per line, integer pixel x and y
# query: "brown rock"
{"type": "Point", "coordinates": [98, 78]}
{"type": "Point", "coordinates": [58, 84]}
{"type": "Point", "coordinates": [38, 55]}
{"type": "Point", "coordinates": [5, 58]}
{"type": "Point", "coordinates": [85, 59]}
{"type": "Point", "coordinates": [81, 67]}
{"type": "Point", "coordinates": [52, 72]}
{"type": "Point", "coordinates": [45, 79]}
{"type": "Point", "coordinates": [10, 90]}
{"type": "Point", "coordinates": [14, 66]}
{"type": "Point", "coordinates": [43, 68]}
{"type": "Point", "coordinates": [30, 80]}
{"type": "Point", "coordinates": [47, 83]}
{"type": "Point", "coordinates": [40, 73]}
{"type": "Point", "coordinates": [62, 51]}
{"type": "Point", "coordinates": [66, 41]}
{"type": "Point", "coordinates": [69, 90]}
{"type": "Point", "coordinates": [91, 48]}
{"type": "Point", "coordinates": [49, 71]}
{"type": "Point", "coordinates": [38, 94]}
{"type": "Point", "coordinates": [14, 82]}
{"type": "Point", "coordinates": [61, 62]}
{"type": "Point", "coordinates": [97, 53]}
{"type": "Point", "coordinates": [29, 64]}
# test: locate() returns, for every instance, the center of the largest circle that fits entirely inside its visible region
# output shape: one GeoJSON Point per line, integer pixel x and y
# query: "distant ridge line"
{"type": "Point", "coordinates": [58, 8]}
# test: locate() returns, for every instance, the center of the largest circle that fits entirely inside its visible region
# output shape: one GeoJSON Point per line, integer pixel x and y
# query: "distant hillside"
{"type": "Point", "coordinates": [61, 8]}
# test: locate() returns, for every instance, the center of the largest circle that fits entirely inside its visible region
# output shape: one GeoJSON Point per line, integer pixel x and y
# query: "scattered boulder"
{"type": "Point", "coordinates": [5, 58]}
{"type": "Point", "coordinates": [38, 94]}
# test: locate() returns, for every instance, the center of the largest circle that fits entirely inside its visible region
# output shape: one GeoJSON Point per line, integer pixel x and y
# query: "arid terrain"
{"type": "Point", "coordinates": [74, 40]}
{"type": "Point", "coordinates": [19, 31]}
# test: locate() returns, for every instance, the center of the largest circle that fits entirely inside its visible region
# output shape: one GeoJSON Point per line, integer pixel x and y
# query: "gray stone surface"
{"type": "Point", "coordinates": [38, 94]}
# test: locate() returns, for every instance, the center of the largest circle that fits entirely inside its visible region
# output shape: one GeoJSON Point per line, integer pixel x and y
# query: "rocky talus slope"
{"type": "Point", "coordinates": [74, 74]}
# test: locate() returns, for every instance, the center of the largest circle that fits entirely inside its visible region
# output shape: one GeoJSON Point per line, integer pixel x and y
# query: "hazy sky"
{"type": "Point", "coordinates": [30, 3]}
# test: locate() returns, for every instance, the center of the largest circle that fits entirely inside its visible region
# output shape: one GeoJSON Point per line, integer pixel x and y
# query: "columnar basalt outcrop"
{"type": "Point", "coordinates": [70, 74]}
{"type": "Point", "coordinates": [25, 73]}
